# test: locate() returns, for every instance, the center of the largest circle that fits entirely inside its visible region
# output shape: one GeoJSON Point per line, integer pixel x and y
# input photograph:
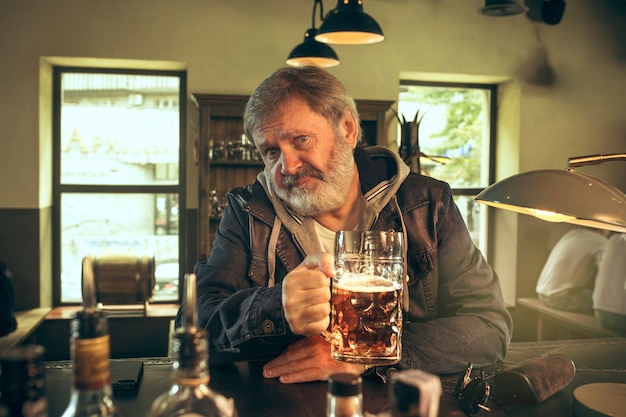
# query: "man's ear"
{"type": "Point", "coordinates": [350, 130]}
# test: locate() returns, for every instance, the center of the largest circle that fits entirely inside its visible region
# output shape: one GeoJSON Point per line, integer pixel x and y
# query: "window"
{"type": "Point", "coordinates": [118, 173]}
{"type": "Point", "coordinates": [456, 137]}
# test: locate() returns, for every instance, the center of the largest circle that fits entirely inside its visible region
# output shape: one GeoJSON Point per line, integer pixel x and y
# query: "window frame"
{"type": "Point", "coordinates": [492, 88]}
{"type": "Point", "coordinates": [58, 189]}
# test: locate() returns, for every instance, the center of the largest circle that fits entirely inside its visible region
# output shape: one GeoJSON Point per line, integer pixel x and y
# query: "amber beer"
{"type": "Point", "coordinates": [366, 300]}
{"type": "Point", "coordinates": [367, 321]}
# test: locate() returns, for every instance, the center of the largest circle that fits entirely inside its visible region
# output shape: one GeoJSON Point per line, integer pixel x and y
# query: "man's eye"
{"type": "Point", "coordinates": [270, 152]}
{"type": "Point", "coordinates": [302, 139]}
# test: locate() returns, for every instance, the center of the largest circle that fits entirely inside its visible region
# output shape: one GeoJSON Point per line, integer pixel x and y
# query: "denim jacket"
{"type": "Point", "coordinates": [456, 312]}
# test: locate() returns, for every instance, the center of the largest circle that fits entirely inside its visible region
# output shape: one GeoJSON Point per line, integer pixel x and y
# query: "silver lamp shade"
{"type": "Point", "coordinates": [560, 196]}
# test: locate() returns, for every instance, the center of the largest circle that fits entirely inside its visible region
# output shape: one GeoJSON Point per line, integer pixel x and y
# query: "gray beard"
{"type": "Point", "coordinates": [330, 195]}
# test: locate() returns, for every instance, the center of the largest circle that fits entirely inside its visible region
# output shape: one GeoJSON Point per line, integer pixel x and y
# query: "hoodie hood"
{"type": "Point", "coordinates": [381, 172]}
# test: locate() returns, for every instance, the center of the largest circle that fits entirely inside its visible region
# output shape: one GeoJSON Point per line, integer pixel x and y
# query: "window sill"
{"type": "Point", "coordinates": [119, 311]}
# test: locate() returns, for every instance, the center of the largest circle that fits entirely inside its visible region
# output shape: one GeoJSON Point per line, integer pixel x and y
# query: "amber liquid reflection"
{"type": "Point", "coordinates": [366, 320]}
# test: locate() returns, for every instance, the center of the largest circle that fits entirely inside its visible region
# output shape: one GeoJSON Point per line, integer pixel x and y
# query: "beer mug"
{"type": "Point", "coordinates": [366, 299]}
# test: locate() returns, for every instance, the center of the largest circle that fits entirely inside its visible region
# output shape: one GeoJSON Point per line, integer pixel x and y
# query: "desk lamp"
{"type": "Point", "coordinates": [567, 196]}
{"type": "Point", "coordinates": [563, 196]}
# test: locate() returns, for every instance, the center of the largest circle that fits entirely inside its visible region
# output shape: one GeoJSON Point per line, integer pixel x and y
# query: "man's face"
{"type": "Point", "coordinates": [308, 162]}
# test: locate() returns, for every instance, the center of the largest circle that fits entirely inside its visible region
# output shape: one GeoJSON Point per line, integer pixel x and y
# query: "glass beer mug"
{"type": "Point", "coordinates": [366, 299]}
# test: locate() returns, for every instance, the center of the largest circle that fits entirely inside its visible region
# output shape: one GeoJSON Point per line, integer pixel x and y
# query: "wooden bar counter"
{"type": "Point", "coordinates": [27, 323]}
{"type": "Point", "coordinates": [597, 360]}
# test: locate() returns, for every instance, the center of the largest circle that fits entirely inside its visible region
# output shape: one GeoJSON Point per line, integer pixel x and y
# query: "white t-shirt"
{"type": "Point", "coordinates": [609, 294]}
{"type": "Point", "coordinates": [573, 261]}
{"type": "Point", "coordinates": [326, 237]}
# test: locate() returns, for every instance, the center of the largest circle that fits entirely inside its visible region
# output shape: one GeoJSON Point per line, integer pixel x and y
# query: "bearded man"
{"type": "Point", "coordinates": [264, 292]}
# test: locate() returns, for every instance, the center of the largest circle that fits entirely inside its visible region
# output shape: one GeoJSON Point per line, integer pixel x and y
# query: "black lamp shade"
{"type": "Point", "coordinates": [347, 24]}
{"type": "Point", "coordinates": [499, 8]}
{"type": "Point", "coordinates": [552, 11]}
{"type": "Point", "coordinates": [312, 52]}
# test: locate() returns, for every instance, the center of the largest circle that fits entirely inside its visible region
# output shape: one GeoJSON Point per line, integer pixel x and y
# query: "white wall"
{"type": "Point", "coordinates": [229, 46]}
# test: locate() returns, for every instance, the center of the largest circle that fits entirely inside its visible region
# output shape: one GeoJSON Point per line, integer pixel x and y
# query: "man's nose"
{"type": "Point", "coordinates": [290, 161]}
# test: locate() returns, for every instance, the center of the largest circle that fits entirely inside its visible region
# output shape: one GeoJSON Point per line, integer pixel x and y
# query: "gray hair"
{"type": "Point", "coordinates": [323, 92]}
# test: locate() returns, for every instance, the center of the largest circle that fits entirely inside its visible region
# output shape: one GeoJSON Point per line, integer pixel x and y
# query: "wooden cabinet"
{"type": "Point", "coordinates": [220, 123]}
{"type": "Point", "coordinates": [219, 120]}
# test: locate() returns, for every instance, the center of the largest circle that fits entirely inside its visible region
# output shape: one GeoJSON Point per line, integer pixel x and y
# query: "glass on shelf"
{"type": "Point", "coordinates": [253, 153]}
{"type": "Point", "coordinates": [219, 151]}
{"type": "Point", "coordinates": [235, 148]}
{"type": "Point", "coordinates": [223, 203]}
{"type": "Point", "coordinates": [214, 204]}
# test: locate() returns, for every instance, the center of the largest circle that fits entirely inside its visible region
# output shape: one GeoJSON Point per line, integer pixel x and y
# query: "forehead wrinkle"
{"type": "Point", "coordinates": [272, 133]}
{"type": "Point", "coordinates": [279, 126]}
{"type": "Point", "coordinates": [275, 130]}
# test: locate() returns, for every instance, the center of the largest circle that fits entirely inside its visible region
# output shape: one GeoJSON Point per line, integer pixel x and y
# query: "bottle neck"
{"type": "Point", "coordinates": [191, 354]}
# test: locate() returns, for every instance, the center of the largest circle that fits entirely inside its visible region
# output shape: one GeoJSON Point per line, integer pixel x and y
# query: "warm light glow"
{"type": "Point", "coordinates": [319, 61]}
{"type": "Point", "coordinates": [561, 196]}
{"type": "Point", "coordinates": [551, 216]}
{"type": "Point", "coordinates": [348, 24]}
{"type": "Point", "coordinates": [350, 38]}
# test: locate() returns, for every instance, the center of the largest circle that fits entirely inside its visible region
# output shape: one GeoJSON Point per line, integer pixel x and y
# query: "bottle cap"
{"type": "Point", "coordinates": [344, 385]}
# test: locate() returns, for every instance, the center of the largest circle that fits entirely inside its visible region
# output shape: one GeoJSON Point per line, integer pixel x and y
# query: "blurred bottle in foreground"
{"type": "Point", "coordinates": [413, 393]}
{"type": "Point", "coordinates": [345, 396]}
{"type": "Point", "coordinates": [90, 350]}
{"type": "Point", "coordinates": [22, 383]}
{"type": "Point", "coordinates": [189, 394]}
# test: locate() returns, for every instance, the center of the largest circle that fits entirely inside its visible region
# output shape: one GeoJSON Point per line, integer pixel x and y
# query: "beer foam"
{"type": "Point", "coordinates": [364, 283]}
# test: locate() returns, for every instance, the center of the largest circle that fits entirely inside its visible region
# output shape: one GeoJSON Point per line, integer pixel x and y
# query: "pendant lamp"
{"type": "Point", "coordinates": [348, 24]}
{"type": "Point", "coordinates": [562, 196]}
{"type": "Point", "coordinates": [311, 51]}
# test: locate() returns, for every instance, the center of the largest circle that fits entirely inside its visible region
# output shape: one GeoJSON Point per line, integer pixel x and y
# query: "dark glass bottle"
{"type": "Point", "coordinates": [345, 396]}
{"type": "Point", "coordinates": [90, 350]}
{"type": "Point", "coordinates": [91, 394]}
{"type": "Point", "coordinates": [189, 394]}
{"type": "Point", "coordinates": [22, 383]}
